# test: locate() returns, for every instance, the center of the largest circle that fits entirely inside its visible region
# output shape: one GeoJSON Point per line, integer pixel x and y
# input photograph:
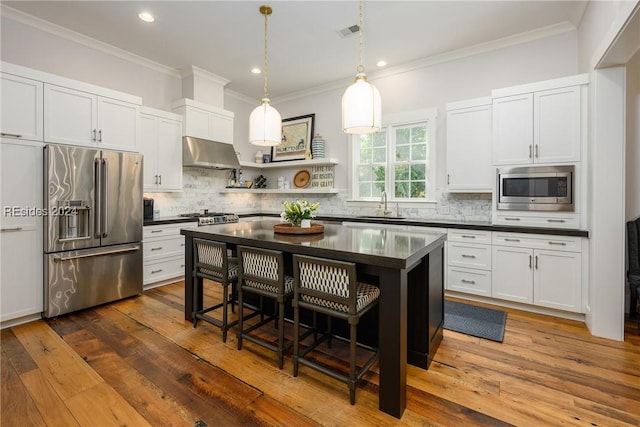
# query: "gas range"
{"type": "Point", "coordinates": [209, 218]}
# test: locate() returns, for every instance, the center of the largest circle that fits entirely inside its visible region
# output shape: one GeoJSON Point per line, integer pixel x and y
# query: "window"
{"type": "Point", "coordinates": [400, 158]}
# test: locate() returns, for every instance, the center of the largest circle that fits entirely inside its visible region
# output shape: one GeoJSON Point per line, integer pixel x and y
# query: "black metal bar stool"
{"type": "Point", "coordinates": [330, 287]}
{"type": "Point", "coordinates": [213, 262]}
{"type": "Point", "coordinates": [261, 272]}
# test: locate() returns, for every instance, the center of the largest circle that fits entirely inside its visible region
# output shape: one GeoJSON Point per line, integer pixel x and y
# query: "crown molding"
{"type": "Point", "coordinates": [200, 72]}
{"type": "Point", "coordinates": [76, 37]}
{"type": "Point", "coordinates": [465, 52]}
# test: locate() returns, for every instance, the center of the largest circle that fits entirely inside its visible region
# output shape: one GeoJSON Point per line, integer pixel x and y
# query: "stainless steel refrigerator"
{"type": "Point", "coordinates": [93, 227]}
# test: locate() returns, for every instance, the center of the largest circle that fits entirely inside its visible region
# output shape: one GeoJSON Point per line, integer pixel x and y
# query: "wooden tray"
{"type": "Point", "coordinates": [290, 229]}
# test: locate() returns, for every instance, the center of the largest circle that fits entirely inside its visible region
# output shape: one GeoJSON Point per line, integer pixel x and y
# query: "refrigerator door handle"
{"type": "Point", "coordinates": [60, 258]}
{"type": "Point", "coordinates": [105, 192]}
{"type": "Point", "coordinates": [98, 198]}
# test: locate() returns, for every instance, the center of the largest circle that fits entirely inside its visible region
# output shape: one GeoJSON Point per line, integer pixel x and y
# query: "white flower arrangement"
{"type": "Point", "coordinates": [295, 212]}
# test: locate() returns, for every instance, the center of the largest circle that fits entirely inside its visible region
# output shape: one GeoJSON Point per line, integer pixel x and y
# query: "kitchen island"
{"type": "Point", "coordinates": [409, 270]}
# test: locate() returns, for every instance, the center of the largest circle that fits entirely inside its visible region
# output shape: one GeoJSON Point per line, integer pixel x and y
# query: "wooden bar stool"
{"type": "Point", "coordinates": [212, 262]}
{"type": "Point", "coordinates": [330, 287]}
{"type": "Point", "coordinates": [261, 272]}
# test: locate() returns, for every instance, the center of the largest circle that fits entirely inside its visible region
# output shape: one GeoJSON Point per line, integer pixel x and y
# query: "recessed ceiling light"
{"type": "Point", "coordinates": [256, 70]}
{"type": "Point", "coordinates": [146, 17]}
{"type": "Point", "coordinates": [381, 63]}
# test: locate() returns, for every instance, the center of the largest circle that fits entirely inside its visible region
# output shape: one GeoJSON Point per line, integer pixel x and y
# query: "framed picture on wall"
{"type": "Point", "coordinates": [296, 139]}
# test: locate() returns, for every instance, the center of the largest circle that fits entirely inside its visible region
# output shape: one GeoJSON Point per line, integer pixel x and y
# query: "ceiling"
{"type": "Point", "coordinates": [305, 49]}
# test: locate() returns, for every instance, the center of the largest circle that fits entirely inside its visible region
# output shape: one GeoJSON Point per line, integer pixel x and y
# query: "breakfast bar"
{"type": "Point", "coordinates": [409, 269]}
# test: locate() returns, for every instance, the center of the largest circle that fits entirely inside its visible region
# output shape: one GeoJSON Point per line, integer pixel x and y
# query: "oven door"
{"type": "Point", "coordinates": [547, 188]}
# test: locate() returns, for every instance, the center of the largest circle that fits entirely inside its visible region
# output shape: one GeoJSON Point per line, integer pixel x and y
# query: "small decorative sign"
{"type": "Point", "coordinates": [322, 177]}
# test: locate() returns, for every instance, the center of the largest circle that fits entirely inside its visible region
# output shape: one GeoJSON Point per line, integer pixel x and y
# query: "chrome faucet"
{"type": "Point", "coordinates": [382, 206]}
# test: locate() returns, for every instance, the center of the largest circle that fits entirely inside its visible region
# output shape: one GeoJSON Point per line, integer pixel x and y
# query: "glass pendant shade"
{"type": "Point", "coordinates": [361, 107]}
{"type": "Point", "coordinates": [265, 125]}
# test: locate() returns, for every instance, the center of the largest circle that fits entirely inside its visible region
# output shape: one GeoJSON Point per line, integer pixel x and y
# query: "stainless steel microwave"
{"type": "Point", "coordinates": [536, 188]}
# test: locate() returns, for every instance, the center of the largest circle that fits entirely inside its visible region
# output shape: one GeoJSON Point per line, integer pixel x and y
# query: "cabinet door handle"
{"type": "Point", "coordinates": [536, 262]}
{"type": "Point", "coordinates": [160, 178]}
{"type": "Point", "coordinates": [471, 282]}
{"type": "Point", "coordinates": [181, 265]}
{"type": "Point", "coordinates": [530, 151]}
{"type": "Point", "coordinates": [555, 220]}
{"type": "Point", "coordinates": [468, 256]}
{"type": "Point", "coordinates": [448, 176]}
{"type": "Point", "coordinates": [156, 249]}
{"type": "Point", "coordinates": [181, 244]}
{"type": "Point", "coordinates": [12, 135]}
{"type": "Point", "coordinates": [537, 151]}
{"type": "Point", "coordinates": [5, 229]}
{"type": "Point", "coordinates": [94, 135]}
{"type": "Point", "coordinates": [530, 262]}
{"type": "Point", "coordinates": [558, 243]}
{"type": "Point", "coordinates": [511, 219]}
{"type": "Point", "coordinates": [156, 271]}
{"type": "Point", "coordinates": [467, 236]}
{"type": "Point", "coordinates": [156, 231]}
{"type": "Point", "coordinates": [100, 135]}
{"type": "Point", "coordinates": [511, 240]}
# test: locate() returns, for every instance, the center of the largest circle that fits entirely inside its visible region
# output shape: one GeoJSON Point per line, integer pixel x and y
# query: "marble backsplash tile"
{"type": "Point", "coordinates": [201, 191]}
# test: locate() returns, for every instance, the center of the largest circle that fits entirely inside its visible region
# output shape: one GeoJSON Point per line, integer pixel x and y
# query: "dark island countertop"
{"type": "Point", "coordinates": [384, 247]}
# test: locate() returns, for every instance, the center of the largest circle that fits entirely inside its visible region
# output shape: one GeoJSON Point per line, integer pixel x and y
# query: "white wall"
{"type": "Point", "coordinates": [27, 46]}
{"type": "Point", "coordinates": [633, 139]}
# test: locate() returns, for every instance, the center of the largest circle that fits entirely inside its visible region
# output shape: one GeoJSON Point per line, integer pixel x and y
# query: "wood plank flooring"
{"type": "Point", "coordinates": [137, 362]}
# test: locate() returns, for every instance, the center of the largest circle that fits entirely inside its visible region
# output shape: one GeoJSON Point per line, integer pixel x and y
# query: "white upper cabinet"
{"type": "Point", "coordinates": [469, 167]}
{"type": "Point", "coordinates": [538, 123]}
{"type": "Point", "coordinates": [205, 121]}
{"type": "Point", "coordinates": [77, 117]}
{"type": "Point", "coordinates": [161, 145]}
{"type": "Point", "coordinates": [21, 108]}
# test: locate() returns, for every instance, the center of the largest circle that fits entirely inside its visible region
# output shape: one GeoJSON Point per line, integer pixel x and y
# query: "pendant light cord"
{"type": "Point", "coordinates": [266, 70]}
{"type": "Point", "coordinates": [360, 67]}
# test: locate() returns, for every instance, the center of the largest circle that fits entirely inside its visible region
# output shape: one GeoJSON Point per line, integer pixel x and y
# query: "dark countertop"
{"type": "Point", "coordinates": [168, 220]}
{"type": "Point", "coordinates": [382, 247]}
{"type": "Point", "coordinates": [464, 225]}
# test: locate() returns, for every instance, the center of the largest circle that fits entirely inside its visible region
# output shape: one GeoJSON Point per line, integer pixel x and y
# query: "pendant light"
{"type": "Point", "coordinates": [265, 123]}
{"type": "Point", "coordinates": [361, 105]}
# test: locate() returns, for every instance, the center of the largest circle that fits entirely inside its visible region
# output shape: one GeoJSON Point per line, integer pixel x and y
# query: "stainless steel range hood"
{"type": "Point", "coordinates": [204, 153]}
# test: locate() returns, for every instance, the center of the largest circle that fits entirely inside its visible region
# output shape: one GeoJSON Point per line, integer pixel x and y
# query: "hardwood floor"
{"type": "Point", "coordinates": [137, 362]}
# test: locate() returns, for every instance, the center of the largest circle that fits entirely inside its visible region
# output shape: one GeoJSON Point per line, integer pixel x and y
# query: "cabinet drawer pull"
{"type": "Point", "coordinates": [471, 282]}
{"type": "Point", "coordinates": [156, 271]}
{"type": "Point", "coordinates": [468, 256]}
{"type": "Point", "coordinates": [156, 249]}
{"type": "Point", "coordinates": [511, 219]}
{"type": "Point", "coordinates": [511, 240]}
{"type": "Point", "coordinates": [12, 135]}
{"type": "Point", "coordinates": [5, 229]}
{"type": "Point", "coordinates": [555, 220]}
{"type": "Point", "coordinates": [558, 243]}
{"type": "Point", "coordinates": [156, 231]}
{"type": "Point", "coordinates": [467, 236]}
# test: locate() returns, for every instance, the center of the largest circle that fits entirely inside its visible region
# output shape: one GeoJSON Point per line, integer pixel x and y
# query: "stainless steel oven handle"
{"type": "Point", "coordinates": [60, 258]}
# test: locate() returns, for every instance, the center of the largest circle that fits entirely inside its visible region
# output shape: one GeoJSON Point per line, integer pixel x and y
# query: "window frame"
{"type": "Point", "coordinates": [389, 124]}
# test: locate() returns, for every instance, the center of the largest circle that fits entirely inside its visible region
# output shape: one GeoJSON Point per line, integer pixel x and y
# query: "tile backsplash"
{"type": "Point", "coordinates": [201, 191]}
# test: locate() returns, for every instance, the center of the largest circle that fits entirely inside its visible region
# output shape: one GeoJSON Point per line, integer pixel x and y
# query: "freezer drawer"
{"type": "Point", "coordinates": [79, 279]}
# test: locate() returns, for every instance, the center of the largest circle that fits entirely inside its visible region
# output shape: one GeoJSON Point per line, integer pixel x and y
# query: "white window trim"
{"type": "Point", "coordinates": [430, 115]}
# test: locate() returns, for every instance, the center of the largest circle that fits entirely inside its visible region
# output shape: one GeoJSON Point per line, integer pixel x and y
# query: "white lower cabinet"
{"type": "Point", "coordinates": [469, 261]}
{"type": "Point", "coordinates": [163, 253]}
{"type": "Point", "coordinates": [21, 263]}
{"type": "Point", "coordinates": [538, 269]}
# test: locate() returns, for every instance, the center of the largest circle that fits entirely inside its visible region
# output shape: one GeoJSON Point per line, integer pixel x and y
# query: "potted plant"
{"type": "Point", "coordinates": [299, 213]}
